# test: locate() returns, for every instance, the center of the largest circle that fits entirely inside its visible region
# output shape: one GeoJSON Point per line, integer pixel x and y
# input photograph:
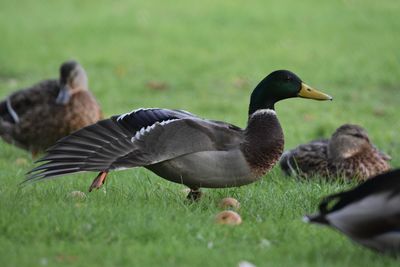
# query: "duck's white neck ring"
{"type": "Point", "coordinates": [266, 111]}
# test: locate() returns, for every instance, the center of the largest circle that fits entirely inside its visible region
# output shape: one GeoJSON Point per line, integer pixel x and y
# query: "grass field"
{"type": "Point", "coordinates": [208, 56]}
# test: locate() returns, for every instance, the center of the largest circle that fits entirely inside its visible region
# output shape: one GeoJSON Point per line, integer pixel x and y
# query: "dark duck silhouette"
{"type": "Point", "coordinates": [180, 146]}
{"type": "Point", "coordinates": [349, 153]}
{"type": "Point", "coordinates": [36, 117]}
{"type": "Point", "coordinates": [369, 214]}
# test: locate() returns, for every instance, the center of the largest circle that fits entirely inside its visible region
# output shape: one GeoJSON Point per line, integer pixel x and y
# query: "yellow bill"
{"type": "Point", "coordinates": [308, 92]}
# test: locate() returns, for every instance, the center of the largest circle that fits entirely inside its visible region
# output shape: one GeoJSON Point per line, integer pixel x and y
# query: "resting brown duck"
{"type": "Point", "coordinates": [35, 118]}
{"type": "Point", "coordinates": [348, 153]}
{"type": "Point", "coordinates": [180, 146]}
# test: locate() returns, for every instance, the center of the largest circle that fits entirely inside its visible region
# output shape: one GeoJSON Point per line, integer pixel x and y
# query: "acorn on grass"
{"type": "Point", "coordinates": [228, 217]}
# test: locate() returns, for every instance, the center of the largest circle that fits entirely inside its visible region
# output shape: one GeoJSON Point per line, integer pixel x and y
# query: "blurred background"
{"type": "Point", "coordinates": [205, 57]}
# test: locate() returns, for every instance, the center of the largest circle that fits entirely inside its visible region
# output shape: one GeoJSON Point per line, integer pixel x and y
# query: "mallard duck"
{"type": "Point", "coordinates": [348, 153]}
{"type": "Point", "coordinates": [369, 214]}
{"type": "Point", "coordinates": [35, 118]}
{"type": "Point", "coordinates": [180, 146]}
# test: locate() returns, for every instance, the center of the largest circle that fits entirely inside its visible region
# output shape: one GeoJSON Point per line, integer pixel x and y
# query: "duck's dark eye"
{"type": "Point", "coordinates": [358, 135]}
{"type": "Point", "coordinates": [288, 79]}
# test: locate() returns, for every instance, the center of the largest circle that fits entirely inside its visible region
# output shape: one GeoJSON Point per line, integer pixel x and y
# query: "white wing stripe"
{"type": "Point", "coordinates": [133, 111]}
{"type": "Point", "coordinates": [12, 112]}
{"type": "Point", "coordinates": [140, 133]}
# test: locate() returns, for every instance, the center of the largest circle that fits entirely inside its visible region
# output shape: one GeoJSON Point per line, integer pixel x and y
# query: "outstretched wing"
{"type": "Point", "coordinates": [142, 137]}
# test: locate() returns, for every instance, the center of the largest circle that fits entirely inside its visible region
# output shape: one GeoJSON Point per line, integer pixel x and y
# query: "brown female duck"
{"type": "Point", "coordinates": [36, 117]}
{"type": "Point", "coordinates": [180, 146]}
{"type": "Point", "coordinates": [349, 153]}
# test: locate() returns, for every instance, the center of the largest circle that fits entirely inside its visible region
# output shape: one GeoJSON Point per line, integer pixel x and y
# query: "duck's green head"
{"type": "Point", "coordinates": [278, 85]}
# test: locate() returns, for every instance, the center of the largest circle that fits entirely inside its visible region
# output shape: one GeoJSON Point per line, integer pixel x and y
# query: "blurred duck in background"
{"type": "Point", "coordinates": [369, 214]}
{"type": "Point", "coordinates": [348, 153]}
{"type": "Point", "coordinates": [36, 117]}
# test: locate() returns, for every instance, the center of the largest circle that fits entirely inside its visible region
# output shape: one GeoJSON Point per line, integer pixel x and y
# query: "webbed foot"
{"type": "Point", "coordinates": [194, 194]}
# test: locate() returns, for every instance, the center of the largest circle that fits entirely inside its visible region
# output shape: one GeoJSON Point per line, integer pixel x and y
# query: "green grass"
{"type": "Point", "coordinates": [210, 54]}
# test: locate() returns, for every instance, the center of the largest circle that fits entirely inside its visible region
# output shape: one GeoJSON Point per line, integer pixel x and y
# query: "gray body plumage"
{"type": "Point", "coordinates": [369, 214]}
{"type": "Point", "coordinates": [175, 145]}
{"type": "Point", "coordinates": [207, 169]}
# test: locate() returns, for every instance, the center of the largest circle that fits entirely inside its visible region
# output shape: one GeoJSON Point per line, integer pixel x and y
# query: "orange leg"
{"type": "Point", "coordinates": [98, 181]}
